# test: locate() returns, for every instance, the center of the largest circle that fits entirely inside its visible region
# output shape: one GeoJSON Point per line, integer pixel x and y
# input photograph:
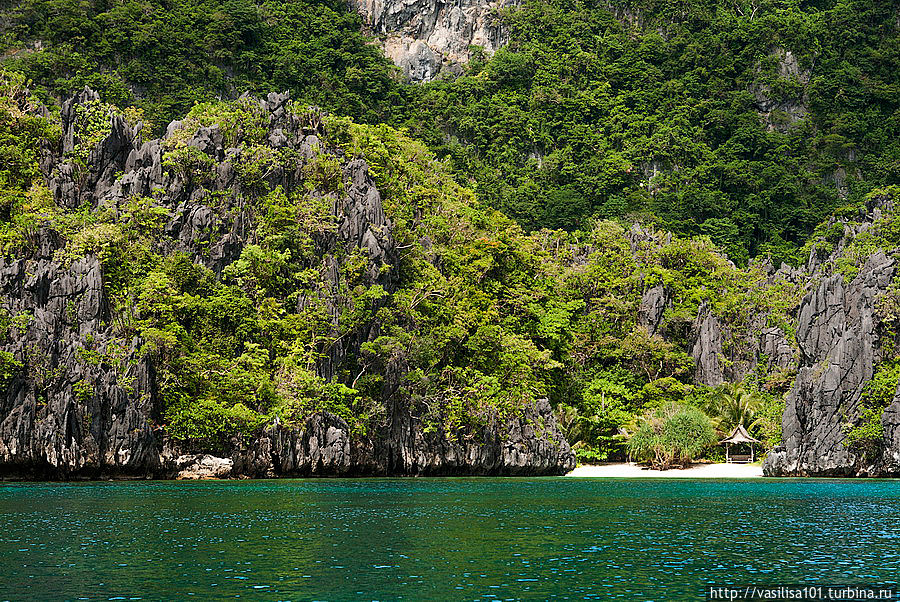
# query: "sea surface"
{"type": "Point", "coordinates": [441, 539]}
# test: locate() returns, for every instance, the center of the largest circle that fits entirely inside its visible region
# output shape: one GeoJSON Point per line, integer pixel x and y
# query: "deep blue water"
{"type": "Point", "coordinates": [355, 539]}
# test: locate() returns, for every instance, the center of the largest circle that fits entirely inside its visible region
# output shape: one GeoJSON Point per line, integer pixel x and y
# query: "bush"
{"type": "Point", "coordinates": [672, 435]}
{"type": "Point", "coordinates": [9, 367]}
{"type": "Point", "coordinates": [866, 435]}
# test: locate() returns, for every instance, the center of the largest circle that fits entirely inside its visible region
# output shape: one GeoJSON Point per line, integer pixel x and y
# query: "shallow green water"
{"type": "Point", "coordinates": [441, 538]}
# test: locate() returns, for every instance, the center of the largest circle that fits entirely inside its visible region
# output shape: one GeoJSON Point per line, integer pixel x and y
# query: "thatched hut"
{"type": "Point", "coordinates": [741, 438]}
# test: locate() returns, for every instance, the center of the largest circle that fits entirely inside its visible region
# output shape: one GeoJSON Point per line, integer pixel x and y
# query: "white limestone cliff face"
{"type": "Point", "coordinates": [782, 107]}
{"type": "Point", "coordinates": [427, 37]}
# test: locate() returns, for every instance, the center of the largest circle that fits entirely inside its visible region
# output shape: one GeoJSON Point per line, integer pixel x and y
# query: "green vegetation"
{"type": "Point", "coordinates": [672, 435]}
{"type": "Point", "coordinates": [732, 406]}
{"type": "Point", "coordinates": [511, 191]}
{"type": "Point", "coordinates": [746, 124]}
{"type": "Point", "coordinates": [484, 318]}
{"type": "Point", "coordinates": [867, 434]}
{"type": "Point", "coordinates": [163, 57]}
{"type": "Point", "coordinates": [23, 206]}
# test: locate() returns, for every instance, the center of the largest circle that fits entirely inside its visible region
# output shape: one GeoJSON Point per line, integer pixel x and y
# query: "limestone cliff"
{"type": "Point", "coordinates": [426, 37]}
{"type": "Point", "coordinates": [66, 332]}
{"type": "Point", "coordinates": [723, 350]}
{"type": "Point", "coordinates": [831, 342]}
{"type": "Point", "coordinates": [840, 340]}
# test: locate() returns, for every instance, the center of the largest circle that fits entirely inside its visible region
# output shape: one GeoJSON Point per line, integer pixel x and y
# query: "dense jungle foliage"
{"type": "Point", "coordinates": [484, 319]}
{"type": "Point", "coordinates": [738, 125]}
{"type": "Point", "coordinates": [746, 120]}
{"type": "Point", "coordinates": [163, 57]}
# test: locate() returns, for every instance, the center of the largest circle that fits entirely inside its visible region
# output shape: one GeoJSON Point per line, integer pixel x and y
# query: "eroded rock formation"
{"type": "Point", "coordinates": [840, 345]}
{"type": "Point", "coordinates": [722, 350]}
{"type": "Point", "coordinates": [836, 333]}
{"type": "Point", "coordinates": [83, 403]}
{"type": "Point", "coordinates": [830, 347]}
{"type": "Point", "coordinates": [425, 37]}
{"type": "Point", "coordinates": [780, 111]}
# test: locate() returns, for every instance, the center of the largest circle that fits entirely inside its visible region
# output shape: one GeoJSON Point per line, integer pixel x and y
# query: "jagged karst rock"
{"type": "Point", "coordinates": [889, 463]}
{"type": "Point", "coordinates": [777, 111]}
{"type": "Point", "coordinates": [424, 37]}
{"type": "Point", "coordinates": [774, 344]}
{"type": "Point", "coordinates": [638, 237]}
{"type": "Point", "coordinates": [203, 466]}
{"type": "Point", "coordinates": [84, 401]}
{"type": "Point", "coordinates": [723, 355]}
{"type": "Point", "coordinates": [415, 58]}
{"type": "Point", "coordinates": [838, 340]}
{"type": "Point", "coordinates": [64, 414]}
{"type": "Point", "coordinates": [75, 184]}
{"type": "Point", "coordinates": [653, 305]}
{"type": "Point", "coordinates": [722, 350]}
{"type": "Point", "coordinates": [707, 350]}
{"type": "Point", "coordinates": [321, 446]}
{"type": "Point", "coordinates": [363, 223]}
{"type": "Point", "coordinates": [530, 444]}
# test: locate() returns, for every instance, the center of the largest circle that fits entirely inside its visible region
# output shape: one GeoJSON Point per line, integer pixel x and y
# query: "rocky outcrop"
{"type": "Point", "coordinates": [92, 167]}
{"type": "Point", "coordinates": [833, 355]}
{"type": "Point", "coordinates": [654, 303]}
{"type": "Point", "coordinates": [528, 444]}
{"type": "Point", "coordinates": [426, 37]}
{"type": "Point", "coordinates": [82, 398]}
{"type": "Point", "coordinates": [203, 466]}
{"type": "Point", "coordinates": [774, 345]}
{"type": "Point", "coordinates": [838, 340]}
{"type": "Point", "coordinates": [889, 462]}
{"type": "Point", "coordinates": [723, 351]}
{"type": "Point", "coordinates": [778, 110]}
{"type": "Point", "coordinates": [707, 349]}
{"type": "Point", "coordinates": [836, 352]}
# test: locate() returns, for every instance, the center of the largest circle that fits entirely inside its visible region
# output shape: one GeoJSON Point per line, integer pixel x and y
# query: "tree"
{"type": "Point", "coordinates": [731, 406]}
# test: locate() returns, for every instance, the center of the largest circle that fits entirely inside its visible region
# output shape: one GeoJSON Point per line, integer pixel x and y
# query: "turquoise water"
{"type": "Point", "coordinates": [419, 539]}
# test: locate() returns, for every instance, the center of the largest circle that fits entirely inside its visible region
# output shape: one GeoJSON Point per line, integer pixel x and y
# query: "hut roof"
{"type": "Point", "coordinates": [739, 435]}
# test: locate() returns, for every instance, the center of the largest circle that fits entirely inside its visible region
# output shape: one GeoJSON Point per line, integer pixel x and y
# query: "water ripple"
{"type": "Point", "coordinates": [441, 538]}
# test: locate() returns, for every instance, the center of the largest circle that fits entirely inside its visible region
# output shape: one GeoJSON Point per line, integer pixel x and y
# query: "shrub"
{"type": "Point", "coordinates": [9, 366]}
{"type": "Point", "coordinates": [672, 435]}
{"type": "Point", "coordinates": [866, 434]}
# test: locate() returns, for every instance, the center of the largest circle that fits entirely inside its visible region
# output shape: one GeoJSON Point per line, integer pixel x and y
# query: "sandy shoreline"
{"type": "Point", "coordinates": [698, 471]}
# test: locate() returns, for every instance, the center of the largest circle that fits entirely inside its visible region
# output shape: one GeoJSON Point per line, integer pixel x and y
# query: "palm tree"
{"type": "Point", "coordinates": [568, 418]}
{"type": "Point", "coordinates": [733, 405]}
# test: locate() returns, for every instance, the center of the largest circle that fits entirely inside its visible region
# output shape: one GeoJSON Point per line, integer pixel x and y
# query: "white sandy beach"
{"type": "Point", "coordinates": [698, 471]}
